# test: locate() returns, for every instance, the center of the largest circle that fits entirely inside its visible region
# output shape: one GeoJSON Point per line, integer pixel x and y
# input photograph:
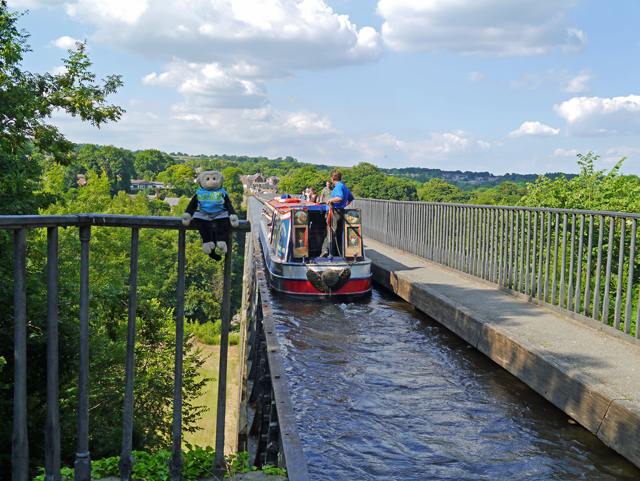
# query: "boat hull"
{"type": "Point", "coordinates": [290, 278]}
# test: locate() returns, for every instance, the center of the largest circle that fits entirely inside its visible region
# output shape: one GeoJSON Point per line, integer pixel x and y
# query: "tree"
{"type": "Point", "coordinates": [438, 190]}
{"type": "Point", "coordinates": [400, 189]}
{"type": "Point", "coordinates": [149, 163]}
{"type": "Point", "coordinates": [301, 178]}
{"type": "Point", "coordinates": [116, 163]}
{"type": "Point", "coordinates": [506, 193]}
{"type": "Point", "coordinates": [232, 182]}
{"type": "Point", "coordinates": [180, 179]}
{"type": "Point", "coordinates": [591, 190]}
{"type": "Point", "coordinates": [28, 100]}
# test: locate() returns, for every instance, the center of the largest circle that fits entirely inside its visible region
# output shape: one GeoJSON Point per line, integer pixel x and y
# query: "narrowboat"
{"type": "Point", "coordinates": [292, 232]}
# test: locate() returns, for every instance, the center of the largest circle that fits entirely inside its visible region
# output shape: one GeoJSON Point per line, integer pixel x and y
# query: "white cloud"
{"type": "Point", "coordinates": [19, 4]}
{"type": "Point", "coordinates": [475, 77]}
{"type": "Point", "coordinates": [566, 153]}
{"type": "Point", "coordinates": [577, 84]}
{"type": "Point", "coordinates": [209, 86]}
{"type": "Point", "coordinates": [437, 146]}
{"type": "Point", "coordinates": [483, 27]}
{"type": "Point", "coordinates": [61, 70]}
{"type": "Point", "coordinates": [534, 129]}
{"type": "Point", "coordinates": [567, 81]}
{"type": "Point", "coordinates": [65, 43]}
{"type": "Point", "coordinates": [615, 154]}
{"type": "Point", "coordinates": [590, 116]}
{"type": "Point", "coordinates": [269, 38]}
{"type": "Point", "coordinates": [185, 127]}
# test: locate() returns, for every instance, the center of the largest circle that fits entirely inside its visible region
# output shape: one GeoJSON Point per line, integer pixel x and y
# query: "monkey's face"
{"type": "Point", "coordinates": [211, 180]}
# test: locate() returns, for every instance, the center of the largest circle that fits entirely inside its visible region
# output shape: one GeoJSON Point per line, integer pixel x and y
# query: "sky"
{"type": "Point", "coordinates": [505, 86]}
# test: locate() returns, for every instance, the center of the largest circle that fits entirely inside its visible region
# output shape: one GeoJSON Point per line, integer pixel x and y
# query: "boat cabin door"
{"type": "Point", "coordinates": [353, 245]}
{"type": "Point", "coordinates": [300, 233]}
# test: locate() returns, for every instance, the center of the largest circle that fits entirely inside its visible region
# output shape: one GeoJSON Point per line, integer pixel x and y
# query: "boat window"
{"type": "Point", "coordinates": [283, 239]}
{"type": "Point", "coordinates": [276, 232]}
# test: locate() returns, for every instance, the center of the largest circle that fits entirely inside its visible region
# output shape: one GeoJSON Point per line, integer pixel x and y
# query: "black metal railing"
{"type": "Point", "coordinates": [85, 222]}
{"type": "Point", "coordinates": [267, 426]}
{"type": "Point", "coordinates": [579, 262]}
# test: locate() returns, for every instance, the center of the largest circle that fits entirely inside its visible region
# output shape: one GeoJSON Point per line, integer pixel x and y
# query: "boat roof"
{"type": "Point", "coordinates": [284, 205]}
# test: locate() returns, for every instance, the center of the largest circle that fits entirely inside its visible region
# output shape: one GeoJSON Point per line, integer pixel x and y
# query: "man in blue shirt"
{"type": "Point", "coordinates": [341, 197]}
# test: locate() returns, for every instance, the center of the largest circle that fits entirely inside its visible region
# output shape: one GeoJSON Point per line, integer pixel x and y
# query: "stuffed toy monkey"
{"type": "Point", "coordinates": [212, 211]}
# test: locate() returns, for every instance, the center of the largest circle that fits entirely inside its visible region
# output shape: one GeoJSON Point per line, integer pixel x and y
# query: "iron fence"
{"type": "Point", "coordinates": [584, 263]}
{"type": "Point", "coordinates": [85, 223]}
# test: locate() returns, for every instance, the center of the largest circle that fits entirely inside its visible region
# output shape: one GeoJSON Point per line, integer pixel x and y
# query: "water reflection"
{"type": "Point", "coordinates": [383, 392]}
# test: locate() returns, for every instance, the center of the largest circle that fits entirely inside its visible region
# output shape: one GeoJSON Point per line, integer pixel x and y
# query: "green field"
{"type": "Point", "coordinates": [207, 435]}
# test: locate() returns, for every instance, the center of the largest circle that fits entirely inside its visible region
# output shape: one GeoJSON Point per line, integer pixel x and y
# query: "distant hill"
{"type": "Point", "coordinates": [479, 179]}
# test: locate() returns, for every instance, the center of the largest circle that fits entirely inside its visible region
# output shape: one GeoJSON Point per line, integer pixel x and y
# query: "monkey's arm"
{"type": "Point", "coordinates": [188, 213]}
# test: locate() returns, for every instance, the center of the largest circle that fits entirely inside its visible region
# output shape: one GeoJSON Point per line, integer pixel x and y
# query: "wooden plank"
{"type": "Point", "coordinates": [621, 429]}
{"type": "Point", "coordinates": [578, 395]}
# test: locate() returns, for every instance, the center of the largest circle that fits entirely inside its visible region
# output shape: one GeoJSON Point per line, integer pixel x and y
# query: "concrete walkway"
{"type": "Point", "coordinates": [590, 375]}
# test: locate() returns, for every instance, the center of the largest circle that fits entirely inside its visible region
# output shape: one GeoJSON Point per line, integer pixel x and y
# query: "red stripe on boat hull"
{"type": "Point", "coordinates": [355, 286]}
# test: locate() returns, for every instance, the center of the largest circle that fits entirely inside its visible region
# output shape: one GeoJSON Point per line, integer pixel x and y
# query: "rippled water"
{"type": "Point", "coordinates": [383, 392]}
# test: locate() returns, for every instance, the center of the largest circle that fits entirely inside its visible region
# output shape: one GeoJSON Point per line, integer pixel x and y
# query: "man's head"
{"type": "Point", "coordinates": [328, 184]}
{"type": "Point", "coordinates": [336, 176]}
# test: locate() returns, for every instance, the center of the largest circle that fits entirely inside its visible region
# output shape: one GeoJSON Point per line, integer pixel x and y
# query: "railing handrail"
{"type": "Point", "coordinates": [554, 210]}
{"type": "Point", "coordinates": [102, 220]}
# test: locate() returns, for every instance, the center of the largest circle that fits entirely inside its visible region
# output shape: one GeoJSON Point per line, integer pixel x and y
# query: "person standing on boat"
{"type": "Point", "coordinates": [340, 198]}
{"type": "Point", "coordinates": [325, 194]}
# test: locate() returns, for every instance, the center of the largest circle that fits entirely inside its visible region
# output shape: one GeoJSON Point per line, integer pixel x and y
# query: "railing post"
{"type": "Point", "coordinates": [20, 442]}
{"type": "Point", "coordinates": [126, 459]}
{"type": "Point", "coordinates": [632, 254]}
{"type": "Point", "coordinates": [52, 424]}
{"type": "Point", "coordinates": [219, 464]}
{"type": "Point", "coordinates": [595, 312]}
{"type": "Point", "coordinates": [607, 281]}
{"type": "Point", "coordinates": [587, 284]}
{"type": "Point", "coordinates": [578, 291]}
{"type": "Point", "coordinates": [83, 460]}
{"type": "Point", "coordinates": [619, 282]}
{"type": "Point", "coordinates": [177, 462]}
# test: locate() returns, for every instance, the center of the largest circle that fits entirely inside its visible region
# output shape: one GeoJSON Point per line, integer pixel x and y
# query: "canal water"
{"type": "Point", "coordinates": [383, 392]}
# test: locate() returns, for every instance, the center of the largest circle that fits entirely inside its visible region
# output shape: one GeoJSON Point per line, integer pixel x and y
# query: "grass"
{"type": "Point", "coordinates": [209, 333]}
{"type": "Point", "coordinates": [207, 435]}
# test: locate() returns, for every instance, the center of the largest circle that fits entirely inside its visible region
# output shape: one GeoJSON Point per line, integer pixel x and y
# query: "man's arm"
{"type": "Point", "coordinates": [350, 198]}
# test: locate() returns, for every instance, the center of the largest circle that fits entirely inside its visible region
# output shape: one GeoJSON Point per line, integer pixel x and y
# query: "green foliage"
{"type": "Point", "coordinates": [302, 178]}
{"type": "Point", "coordinates": [155, 467]}
{"type": "Point", "coordinates": [438, 190]}
{"type": "Point", "coordinates": [232, 182]}
{"type": "Point", "coordinates": [209, 333]}
{"type": "Point", "coordinates": [506, 193]}
{"type": "Point", "coordinates": [591, 190]}
{"type": "Point", "coordinates": [116, 163]}
{"type": "Point", "coordinates": [149, 163]}
{"type": "Point", "coordinates": [180, 180]}
{"type": "Point", "coordinates": [239, 463]}
{"type": "Point", "coordinates": [28, 101]}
